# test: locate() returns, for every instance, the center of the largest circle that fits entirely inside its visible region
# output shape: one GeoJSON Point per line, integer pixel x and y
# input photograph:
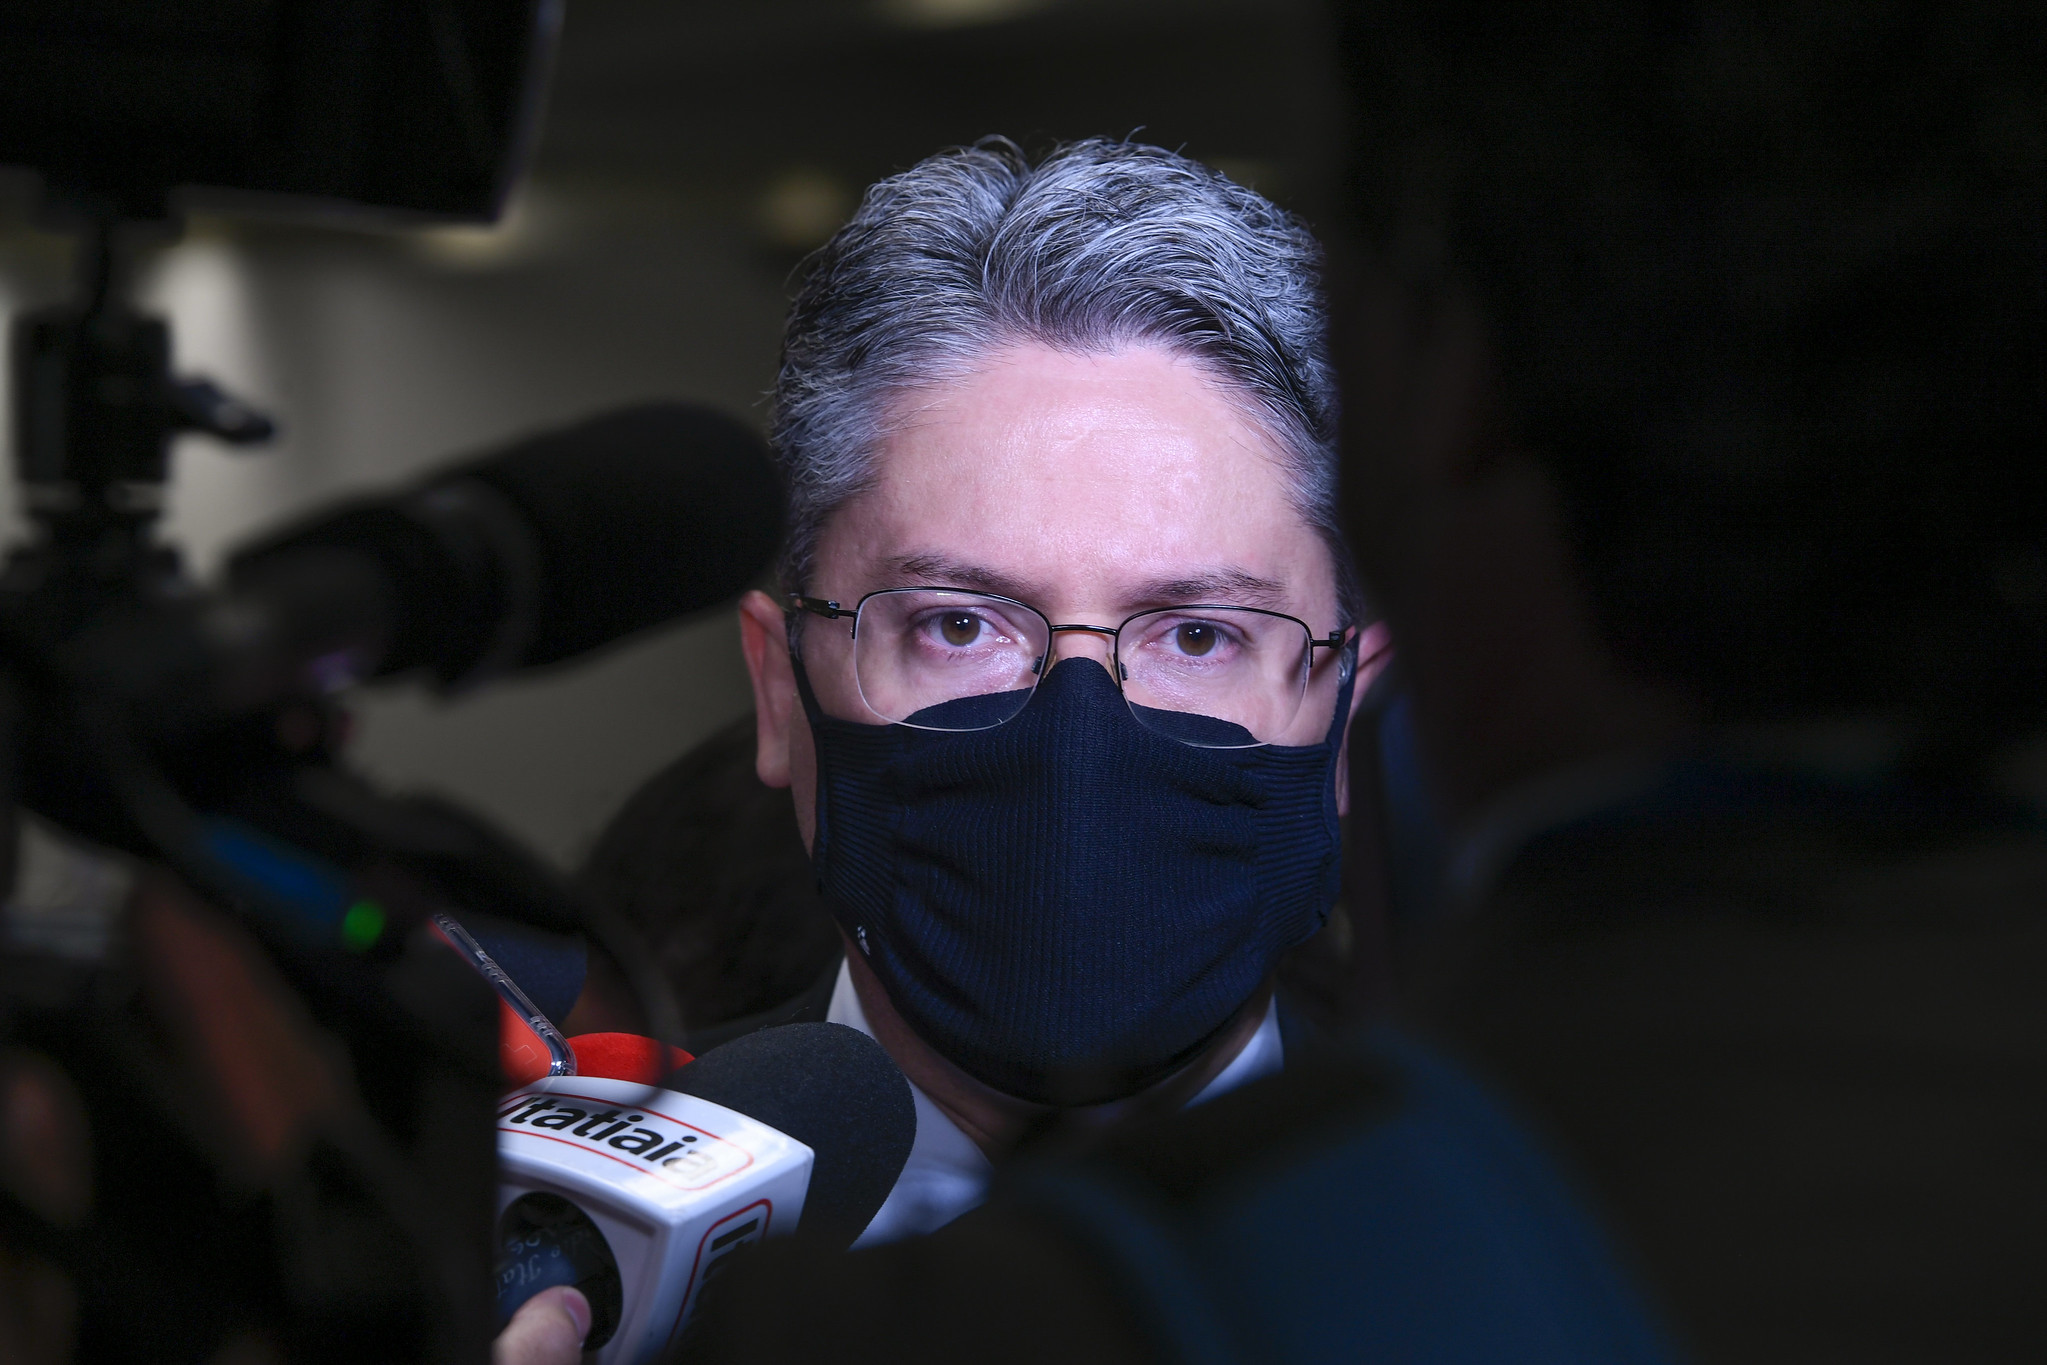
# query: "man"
{"type": "Point", "coordinates": [1066, 655]}
{"type": "Point", "coordinates": [1068, 644]}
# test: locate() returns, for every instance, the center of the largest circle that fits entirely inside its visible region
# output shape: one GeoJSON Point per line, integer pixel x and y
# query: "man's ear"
{"type": "Point", "coordinates": [1375, 652]}
{"type": "Point", "coordinates": [764, 639]}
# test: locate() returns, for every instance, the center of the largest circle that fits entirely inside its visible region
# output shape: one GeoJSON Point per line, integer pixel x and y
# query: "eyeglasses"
{"type": "Point", "coordinates": [1215, 677]}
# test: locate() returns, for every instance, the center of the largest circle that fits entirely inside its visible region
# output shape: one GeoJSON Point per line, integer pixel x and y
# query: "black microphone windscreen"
{"type": "Point", "coordinates": [831, 1088]}
{"type": "Point", "coordinates": [534, 553]}
{"type": "Point", "coordinates": [639, 516]}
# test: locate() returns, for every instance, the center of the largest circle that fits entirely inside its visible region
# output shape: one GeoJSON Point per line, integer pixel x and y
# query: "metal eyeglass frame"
{"type": "Point", "coordinates": [797, 603]}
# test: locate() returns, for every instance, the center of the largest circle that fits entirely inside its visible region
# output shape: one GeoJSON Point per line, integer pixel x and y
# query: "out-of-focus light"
{"type": "Point", "coordinates": [956, 13]}
{"type": "Point", "coordinates": [803, 207]}
{"type": "Point", "coordinates": [519, 234]}
{"type": "Point", "coordinates": [363, 925]}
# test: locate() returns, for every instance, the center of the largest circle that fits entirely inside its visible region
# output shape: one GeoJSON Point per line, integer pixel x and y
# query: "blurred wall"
{"type": "Point", "coordinates": [693, 152]}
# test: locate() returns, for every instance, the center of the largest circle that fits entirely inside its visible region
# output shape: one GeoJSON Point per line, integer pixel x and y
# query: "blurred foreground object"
{"type": "Point", "coordinates": [245, 1102]}
{"type": "Point", "coordinates": [390, 105]}
{"type": "Point", "coordinates": [276, 1100]}
{"type": "Point", "coordinates": [541, 552]}
{"type": "Point", "coordinates": [1693, 411]}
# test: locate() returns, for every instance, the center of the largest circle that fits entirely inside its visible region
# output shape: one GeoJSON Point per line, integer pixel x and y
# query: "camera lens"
{"type": "Point", "coordinates": [543, 1241]}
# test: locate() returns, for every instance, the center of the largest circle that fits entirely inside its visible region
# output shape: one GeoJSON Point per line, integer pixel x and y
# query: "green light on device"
{"type": "Point", "coordinates": [362, 925]}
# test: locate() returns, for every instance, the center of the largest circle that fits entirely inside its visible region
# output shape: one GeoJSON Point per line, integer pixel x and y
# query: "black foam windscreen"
{"type": "Point", "coordinates": [639, 516]}
{"type": "Point", "coordinates": [831, 1088]}
{"type": "Point", "coordinates": [539, 551]}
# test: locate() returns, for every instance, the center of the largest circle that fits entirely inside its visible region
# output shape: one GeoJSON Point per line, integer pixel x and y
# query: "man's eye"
{"type": "Point", "coordinates": [960, 628]}
{"type": "Point", "coordinates": [1195, 638]}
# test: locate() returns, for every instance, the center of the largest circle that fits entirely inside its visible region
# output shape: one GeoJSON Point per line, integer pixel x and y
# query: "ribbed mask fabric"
{"type": "Point", "coordinates": [1069, 906]}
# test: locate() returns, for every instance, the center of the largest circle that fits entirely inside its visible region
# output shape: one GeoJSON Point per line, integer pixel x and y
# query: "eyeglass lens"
{"type": "Point", "coordinates": [962, 661]}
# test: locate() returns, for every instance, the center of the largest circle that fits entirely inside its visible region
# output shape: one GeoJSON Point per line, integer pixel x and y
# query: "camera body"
{"type": "Point", "coordinates": [317, 1079]}
{"type": "Point", "coordinates": [420, 107]}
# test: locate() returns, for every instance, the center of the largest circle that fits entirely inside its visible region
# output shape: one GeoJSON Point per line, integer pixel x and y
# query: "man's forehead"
{"type": "Point", "coordinates": [1082, 483]}
{"type": "Point", "coordinates": [1224, 583]}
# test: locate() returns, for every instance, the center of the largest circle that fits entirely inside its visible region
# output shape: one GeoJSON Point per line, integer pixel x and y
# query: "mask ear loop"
{"type": "Point", "coordinates": [792, 622]}
{"type": "Point", "coordinates": [811, 710]}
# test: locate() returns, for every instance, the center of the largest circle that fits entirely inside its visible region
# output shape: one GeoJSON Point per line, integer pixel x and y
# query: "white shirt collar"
{"type": "Point", "coordinates": [947, 1174]}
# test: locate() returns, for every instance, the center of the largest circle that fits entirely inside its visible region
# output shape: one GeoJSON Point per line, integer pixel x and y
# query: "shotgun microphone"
{"type": "Point", "coordinates": [544, 550]}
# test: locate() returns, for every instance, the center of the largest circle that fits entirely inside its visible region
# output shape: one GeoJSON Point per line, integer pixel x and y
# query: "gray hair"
{"type": "Point", "coordinates": [1100, 245]}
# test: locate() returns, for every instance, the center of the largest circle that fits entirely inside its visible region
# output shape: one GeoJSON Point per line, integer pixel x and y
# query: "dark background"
{"type": "Point", "coordinates": [693, 152]}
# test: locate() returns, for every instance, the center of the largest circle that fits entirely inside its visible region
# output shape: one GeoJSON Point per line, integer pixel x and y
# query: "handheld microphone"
{"type": "Point", "coordinates": [544, 550]}
{"type": "Point", "coordinates": [831, 1088]}
{"type": "Point", "coordinates": [637, 1195]}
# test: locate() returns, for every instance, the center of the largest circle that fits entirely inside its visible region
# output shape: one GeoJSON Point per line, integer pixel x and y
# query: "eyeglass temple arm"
{"type": "Point", "coordinates": [1337, 638]}
{"type": "Point", "coordinates": [818, 606]}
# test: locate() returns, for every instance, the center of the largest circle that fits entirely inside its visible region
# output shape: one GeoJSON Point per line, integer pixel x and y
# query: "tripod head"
{"type": "Point", "coordinates": [96, 408]}
{"type": "Point", "coordinates": [414, 109]}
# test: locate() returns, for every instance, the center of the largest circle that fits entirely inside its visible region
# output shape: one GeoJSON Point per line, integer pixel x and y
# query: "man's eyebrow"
{"type": "Point", "coordinates": [1226, 586]}
{"type": "Point", "coordinates": [930, 570]}
{"type": "Point", "coordinates": [1231, 587]}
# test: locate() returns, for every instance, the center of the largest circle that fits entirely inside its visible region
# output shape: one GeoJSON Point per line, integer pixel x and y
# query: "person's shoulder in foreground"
{"type": "Point", "coordinates": [1370, 1204]}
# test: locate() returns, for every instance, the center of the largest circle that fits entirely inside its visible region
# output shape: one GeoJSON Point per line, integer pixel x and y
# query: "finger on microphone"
{"type": "Point", "coordinates": [548, 1329]}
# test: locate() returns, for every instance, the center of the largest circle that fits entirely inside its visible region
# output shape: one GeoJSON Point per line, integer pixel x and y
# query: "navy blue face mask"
{"type": "Point", "coordinates": [1070, 906]}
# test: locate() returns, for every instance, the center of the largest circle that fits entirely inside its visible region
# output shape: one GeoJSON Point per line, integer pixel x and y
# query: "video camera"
{"type": "Point", "coordinates": [273, 1101]}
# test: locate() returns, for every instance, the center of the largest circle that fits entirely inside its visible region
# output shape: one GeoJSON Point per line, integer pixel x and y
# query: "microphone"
{"type": "Point", "coordinates": [637, 1195]}
{"type": "Point", "coordinates": [831, 1088]}
{"type": "Point", "coordinates": [535, 553]}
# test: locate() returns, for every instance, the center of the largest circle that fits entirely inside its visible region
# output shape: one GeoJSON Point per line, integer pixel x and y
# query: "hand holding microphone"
{"type": "Point", "coordinates": [636, 1195]}
{"type": "Point", "coordinates": [548, 1329]}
